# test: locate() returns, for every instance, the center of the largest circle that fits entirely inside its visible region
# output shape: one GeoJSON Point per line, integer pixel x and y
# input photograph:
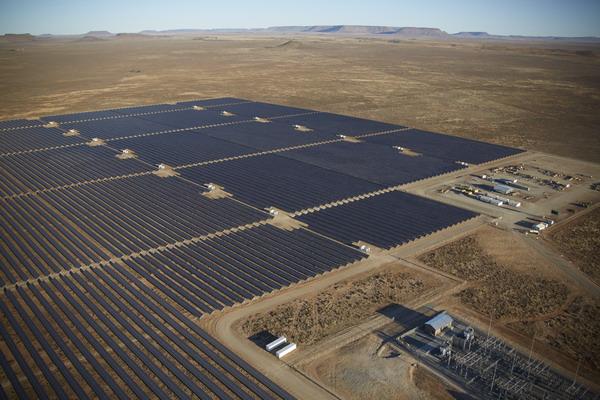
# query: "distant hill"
{"type": "Point", "coordinates": [17, 37]}
{"type": "Point", "coordinates": [472, 34]}
{"type": "Point", "coordinates": [395, 32]}
{"type": "Point", "coordinates": [361, 30]}
{"type": "Point", "coordinates": [99, 34]}
{"type": "Point", "coordinates": [87, 38]}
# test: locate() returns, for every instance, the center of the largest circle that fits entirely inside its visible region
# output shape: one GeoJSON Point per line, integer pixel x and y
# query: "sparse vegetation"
{"type": "Point", "coordinates": [495, 289]}
{"type": "Point", "coordinates": [307, 321]}
{"type": "Point", "coordinates": [580, 242]}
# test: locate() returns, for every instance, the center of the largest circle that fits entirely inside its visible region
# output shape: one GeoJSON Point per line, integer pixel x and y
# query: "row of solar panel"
{"type": "Point", "coordinates": [64, 166]}
{"type": "Point", "coordinates": [61, 229]}
{"type": "Point", "coordinates": [105, 333]}
{"type": "Point", "coordinates": [117, 124]}
{"type": "Point", "coordinates": [215, 273]}
{"type": "Point", "coordinates": [274, 181]}
{"type": "Point", "coordinates": [140, 110]}
{"type": "Point", "coordinates": [60, 167]}
{"type": "Point", "coordinates": [386, 220]}
{"type": "Point", "coordinates": [17, 124]}
{"type": "Point", "coordinates": [35, 138]}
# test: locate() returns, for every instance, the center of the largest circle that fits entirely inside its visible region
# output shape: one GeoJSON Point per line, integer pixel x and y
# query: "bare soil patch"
{"type": "Point", "coordinates": [366, 369]}
{"type": "Point", "coordinates": [580, 242]}
{"type": "Point", "coordinates": [308, 320]}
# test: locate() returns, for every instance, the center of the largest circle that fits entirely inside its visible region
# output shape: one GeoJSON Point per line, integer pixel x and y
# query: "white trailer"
{"type": "Point", "coordinates": [286, 350]}
{"type": "Point", "coordinates": [487, 199]}
{"type": "Point", "coordinates": [510, 202]}
{"type": "Point", "coordinates": [275, 343]}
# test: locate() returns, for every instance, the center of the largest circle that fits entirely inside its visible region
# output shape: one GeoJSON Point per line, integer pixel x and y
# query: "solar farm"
{"type": "Point", "coordinates": [124, 228]}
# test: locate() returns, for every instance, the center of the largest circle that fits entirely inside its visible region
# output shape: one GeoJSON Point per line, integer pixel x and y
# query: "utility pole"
{"type": "Point", "coordinates": [494, 378]}
{"type": "Point", "coordinates": [576, 373]}
{"type": "Point", "coordinates": [530, 351]}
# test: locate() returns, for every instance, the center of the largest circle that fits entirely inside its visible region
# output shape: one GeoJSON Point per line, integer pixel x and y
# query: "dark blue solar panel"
{"type": "Point", "coordinates": [264, 110]}
{"type": "Point", "coordinates": [55, 243]}
{"type": "Point", "coordinates": [191, 118]}
{"type": "Point", "coordinates": [339, 124]}
{"type": "Point", "coordinates": [373, 162]}
{"type": "Point", "coordinates": [63, 166]}
{"type": "Point", "coordinates": [143, 212]}
{"type": "Point", "coordinates": [116, 127]}
{"type": "Point", "coordinates": [148, 109]}
{"type": "Point", "coordinates": [19, 123]}
{"type": "Point", "coordinates": [181, 148]}
{"type": "Point", "coordinates": [266, 136]}
{"type": "Point", "coordinates": [270, 180]}
{"type": "Point", "coordinates": [450, 148]}
{"type": "Point", "coordinates": [386, 220]}
{"type": "Point", "coordinates": [219, 272]}
{"type": "Point", "coordinates": [211, 102]}
{"type": "Point", "coordinates": [81, 116]}
{"type": "Point", "coordinates": [34, 138]}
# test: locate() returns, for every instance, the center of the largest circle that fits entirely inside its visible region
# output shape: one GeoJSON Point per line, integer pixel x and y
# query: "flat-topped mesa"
{"type": "Point", "coordinates": [126, 154]}
{"type": "Point", "coordinates": [282, 220]}
{"type": "Point", "coordinates": [215, 192]}
{"type": "Point", "coordinates": [348, 138]}
{"type": "Point", "coordinates": [165, 171]}
{"type": "Point", "coordinates": [71, 132]}
{"type": "Point", "coordinates": [302, 128]}
{"type": "Point", "coordinates": [96, 142]}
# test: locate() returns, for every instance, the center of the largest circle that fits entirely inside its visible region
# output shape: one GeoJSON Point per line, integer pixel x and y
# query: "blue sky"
{"type": "Point", "coordinates": [518, 17]}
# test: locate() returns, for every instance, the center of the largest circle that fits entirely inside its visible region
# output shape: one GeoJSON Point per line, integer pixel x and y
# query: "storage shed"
{"type": "Point", "coordinates": [436, 325]}
{"type": "Point", "coordinates": [503, 189]}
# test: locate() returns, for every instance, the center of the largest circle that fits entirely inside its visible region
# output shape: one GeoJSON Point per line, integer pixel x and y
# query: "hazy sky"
{"type": "Point", "coordinates": [518, 17]}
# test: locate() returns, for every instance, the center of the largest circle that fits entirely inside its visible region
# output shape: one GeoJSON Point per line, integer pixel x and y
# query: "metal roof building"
{"type": "Point", "coordinates": [437, 324]}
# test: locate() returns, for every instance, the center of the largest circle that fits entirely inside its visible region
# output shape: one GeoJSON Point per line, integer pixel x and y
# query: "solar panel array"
{"type": "Point", "coordinates": [385, 221]}
{"type": "Point", "coordinates": [30, 139]}
{"type": "Point", "coordinates": [107, 263]}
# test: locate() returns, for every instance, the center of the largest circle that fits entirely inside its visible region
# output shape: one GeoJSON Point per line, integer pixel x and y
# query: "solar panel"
{"type": "Point", "coordinates": [181, 148]}
{"type": "Point", "coordinates": [386, 220]}
{"type": "Point", "coordinates": [35, 138]}
{"type": "Point", "coordinates": [450, 148]}
{"type": "Point", "coordinates": [257, 109]}
{"type": "Point", "coordinates": [19, 123]}
{"type": "Point", "coordinates": [152, 108]}
{"type": "Point", "coordinates": [273, 181]}
{"type": "Point", "coordinates": [89, 115]}
{"type": "Point", "coordinates": [192, 118]}
{"type": "Point", "coordinates": [149, 349]}
{"type": "Point", "coordinates": [211, 102]}
{"type": "Point", "coordinates": [215, 273]}
{"type": "Point", "coordinates": [379, 164]}
{"type": "Point", "coordinates": [267, 136]}
{"type": "Point", "coordinates": [143, 212]}
{"type": "Point", "coordinates": [62, 166]}
{"type": "Point", "coordinates": [339, 124]}
{"type": "Point", "coordinates": [116, 127]}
